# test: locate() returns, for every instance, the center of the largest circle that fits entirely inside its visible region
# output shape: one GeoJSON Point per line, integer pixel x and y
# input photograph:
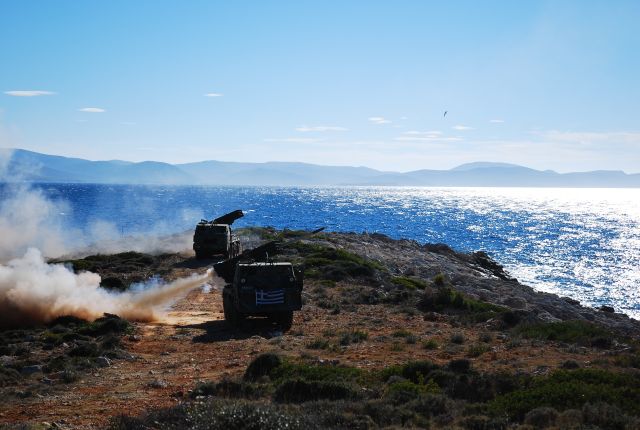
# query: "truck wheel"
{"type": "Point", "coordinates": [231, 314]}
{"type": "Point", "coordinates": [284, 319]}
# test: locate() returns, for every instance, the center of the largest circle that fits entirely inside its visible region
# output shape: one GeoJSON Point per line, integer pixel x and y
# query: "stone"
{"type": "Point", "coordinates": [546, 317]}
{"type": "Point", "coordinates": [30, 370]}
{"type": "Point", "coordinates": [515, 302]}
{"type": "Point", "coordinates": [158, 383]}
{"type": "Point", "coordinates": [103, 362]}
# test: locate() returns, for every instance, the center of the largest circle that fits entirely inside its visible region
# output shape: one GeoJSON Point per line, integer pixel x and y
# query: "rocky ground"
{"type": "Point", "coordinates": [373, 306]}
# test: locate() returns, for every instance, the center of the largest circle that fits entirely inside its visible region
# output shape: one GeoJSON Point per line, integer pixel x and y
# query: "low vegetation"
{"type": "Point", "coordinates": [280, 392]}
{"type": "Point", "coordinates": [578, 332]}
{"type": "Point", "coordinates": [119, 271]}
{"type": "Point", "coordinates": [334, 264]}
{"type": "Point", "coordinates": [61, 351]}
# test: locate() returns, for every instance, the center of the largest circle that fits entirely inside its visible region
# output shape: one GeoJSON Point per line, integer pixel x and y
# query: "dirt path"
{"type": "Point", "coordinates": [193, 343]}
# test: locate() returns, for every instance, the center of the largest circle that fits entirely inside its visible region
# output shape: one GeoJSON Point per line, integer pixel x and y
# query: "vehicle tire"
{"type": "Point", "coordinates": [231, 314]}
{"type": "Point", "coordinates": [284, 319]}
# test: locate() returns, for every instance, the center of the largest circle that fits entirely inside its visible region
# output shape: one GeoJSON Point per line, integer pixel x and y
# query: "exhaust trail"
{"type": "Point", "coordinates": [35, 292]}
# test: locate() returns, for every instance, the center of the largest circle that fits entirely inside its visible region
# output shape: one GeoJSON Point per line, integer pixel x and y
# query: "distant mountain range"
{"type": "Point", "coordinates": [25, 165]}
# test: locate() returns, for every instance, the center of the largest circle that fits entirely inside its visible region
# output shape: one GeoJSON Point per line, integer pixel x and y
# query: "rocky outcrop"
{"type": "Point", "coordinates": [477, 275]}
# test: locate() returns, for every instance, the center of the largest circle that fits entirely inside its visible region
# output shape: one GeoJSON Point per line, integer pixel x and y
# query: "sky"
{"type": "Point", "coordinates": [544, 84]}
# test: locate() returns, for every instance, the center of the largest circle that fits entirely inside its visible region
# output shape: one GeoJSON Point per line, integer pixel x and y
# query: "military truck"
{"type": "Point", "coordinates": [215, 239]}
{"type": "Point", "coordinates": [257, 286]}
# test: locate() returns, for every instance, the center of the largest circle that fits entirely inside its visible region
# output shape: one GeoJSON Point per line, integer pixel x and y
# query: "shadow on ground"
{"type": "Point", "coordinates": [220, 330]}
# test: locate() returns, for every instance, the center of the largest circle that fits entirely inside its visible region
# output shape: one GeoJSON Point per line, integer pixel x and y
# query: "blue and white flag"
{"type": "Point", "coordinates": [269, 297]}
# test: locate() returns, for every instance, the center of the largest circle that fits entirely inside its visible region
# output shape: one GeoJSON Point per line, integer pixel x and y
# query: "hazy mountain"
{"type": "Point", "coordinates": [32, 166]}
{"type": "Point", "coordinates": [482, 165]}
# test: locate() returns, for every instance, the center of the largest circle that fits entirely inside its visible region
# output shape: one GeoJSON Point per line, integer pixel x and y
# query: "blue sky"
{"type": "Point", "coordinates": [547, 84]}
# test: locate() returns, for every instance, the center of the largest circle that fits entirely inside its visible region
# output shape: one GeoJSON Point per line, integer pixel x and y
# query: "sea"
{"type": "Point", "coordinates": [580, 243]}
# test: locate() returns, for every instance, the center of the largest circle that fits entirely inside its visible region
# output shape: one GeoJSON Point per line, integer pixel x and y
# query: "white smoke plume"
{"type": "Point", "coordinates": [34, 292]}
{"type": "Point", "coordinates": [33, 226]}
{"type": "Point", "coordinates": [29, 219]}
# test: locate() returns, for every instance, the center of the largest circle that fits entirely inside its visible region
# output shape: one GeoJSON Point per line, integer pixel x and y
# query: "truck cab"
{"type": "Point", "coordinates": [214, 239]}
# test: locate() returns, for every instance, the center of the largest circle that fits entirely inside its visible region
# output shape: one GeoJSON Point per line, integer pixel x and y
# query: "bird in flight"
{"type": "Point", "coordinates": [445, 113]}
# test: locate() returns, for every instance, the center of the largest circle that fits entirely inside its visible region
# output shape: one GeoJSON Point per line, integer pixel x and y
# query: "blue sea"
{"type": "Point", "coordinates": [581, 243]}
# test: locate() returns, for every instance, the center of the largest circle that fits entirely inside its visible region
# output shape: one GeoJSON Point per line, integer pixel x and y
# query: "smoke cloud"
{"type": "Point", "coordinates": [34, 226]}
{"type": "Point", "coordinates": [34, 292]}
{"type": "Point", "coordinates": [29, 218]}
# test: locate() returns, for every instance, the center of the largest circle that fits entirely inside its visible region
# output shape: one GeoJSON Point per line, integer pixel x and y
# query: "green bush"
{"type": "Point", "coordinates": [69, 376]}
{"type": "Point", "coordinates": [85, 349]}
{"type": "Point", "coordinates": [261, 366]}
{"type": "Point", "coordinates": [300, 390]}
{"type": "Point", "coordinates": [457, 338]}
{"type": "Point", "coordinates": [485, 337]}
{"type": "Point", "coordinates": [605, 416]}
{"type": "Point", "coordinates": [353, 337]}
{"type": "Point", "coordinates": [460, 365]}
{"type": "Point", "coordinates": [402, 392]}
{"type": "Point", "coordinates": [477, 350]}
{"type": "Point", "coordinates": [440, 280]}
{"type": "Point", "coordinates": [445, 298]}
{"type": "Point", "coordinates": [414, 371]}
{"type": "Point", "coordinates": [308, 372]}
{"type": "Point", "coordinates": [571, 390]}
{"type": "Point", "coordinates": [430, 344]}
{"type": "Point", "coordinates": [409, 282]}
{"type": "Point", "coordinates": [318, 344]}
{"type": "Point", "coordinates": [575, 331]}
{"type": "Point", "coordinates": [333, 264]}
{"type": "Point", "coordinates": [401, 333]}
{"type": "Point", "coordinates": [227, 388]}
{"type": "Point", "coordinates": [541, 417]}
{"type": "Point", "coordinates": [107, 324]}
{"type": "Point", "coordinates": [9, 376]}
{"type": "Point", "coordinates": [482, 422]}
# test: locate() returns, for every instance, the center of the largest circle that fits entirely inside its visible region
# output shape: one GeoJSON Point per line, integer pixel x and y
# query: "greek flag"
{"type": "Point", "coordinates": [269, 297]}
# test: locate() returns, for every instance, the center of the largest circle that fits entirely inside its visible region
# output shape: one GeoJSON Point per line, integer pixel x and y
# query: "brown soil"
{"type": "Point", "coordinates": [193, 343]}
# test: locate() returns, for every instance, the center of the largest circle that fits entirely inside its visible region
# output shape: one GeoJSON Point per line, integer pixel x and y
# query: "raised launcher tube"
{"type": "Point", "coordinates": [226, 269]}
{"type": "Point", "coordinates": [229, 218]}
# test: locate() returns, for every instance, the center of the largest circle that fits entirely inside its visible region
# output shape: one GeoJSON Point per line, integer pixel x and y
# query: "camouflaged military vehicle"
{"type": "Point", "coordinates": [215, 239]}
{"type": "Point", "coordinates": [268, 289]}
{"type": "Point", "coordinates": [257, 286]}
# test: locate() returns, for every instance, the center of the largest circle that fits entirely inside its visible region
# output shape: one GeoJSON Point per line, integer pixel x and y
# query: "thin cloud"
{"type": "Point", "coordinates": [379, 120]}
{"type": "Point", "coordinates": [427, 139]}
{"type": "Point", "coordinates": [496, 121]}
{"type": "Point", "coordinates": [29, 93]}
{"type": "Point", "coordinates": [425, 136]}
{"type": "Point", "coordinates": [320, 128]}
{"type": "Point", "coordinates": [213, 95]}
{"type": "Point", "coordinates": [462, 127]}
{"type": "Point", "coordinates": [92, 110]}
{"type": "Point", "coordinates": [584, 137]}
{"type": "Point", "coordinates": [293, 140]}
{"type": "Point", "coordinates": [423, 133]}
